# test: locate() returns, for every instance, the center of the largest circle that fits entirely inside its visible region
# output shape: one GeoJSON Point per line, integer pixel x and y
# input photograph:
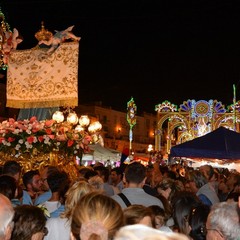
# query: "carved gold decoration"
{"type": "Point", "coordinates": [43, 34]}
{"type": "Point", "coordinates": [37, 162]}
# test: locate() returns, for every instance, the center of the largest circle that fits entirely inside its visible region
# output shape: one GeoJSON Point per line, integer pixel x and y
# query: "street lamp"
{"type": "Point", "coordinates": [69, 121]}
{"type": "Point", "coordinates": [85, 124]}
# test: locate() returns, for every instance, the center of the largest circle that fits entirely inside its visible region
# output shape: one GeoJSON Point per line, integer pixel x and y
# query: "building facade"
{"type": "Point", "coordinates": [115, 128]}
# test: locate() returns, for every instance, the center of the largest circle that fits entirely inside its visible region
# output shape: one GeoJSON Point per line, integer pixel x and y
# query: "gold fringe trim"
{"type": "Point", "coordinates": [53, 103]}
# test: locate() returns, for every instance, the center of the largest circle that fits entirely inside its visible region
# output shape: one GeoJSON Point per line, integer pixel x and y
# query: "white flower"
{"type": "Point", "coordinates": [18, 146]}
{"type": "Point", "coordinates": [46, 138]}
{"type": "Point", "coordinates": [28, 145]}
{"type": "Point", "coordinates": [28, 131]}
{"type": "Point", "coordinates": [16, 131]}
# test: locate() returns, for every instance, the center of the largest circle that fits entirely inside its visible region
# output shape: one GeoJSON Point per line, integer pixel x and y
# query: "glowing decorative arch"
{"type": "Point", "coordinates": [196, 118]}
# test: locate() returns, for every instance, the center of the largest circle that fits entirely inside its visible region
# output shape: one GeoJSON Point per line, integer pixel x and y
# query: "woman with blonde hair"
{"type": "Point", "coordinates": [96, 216]}
{"type": "Point", "coordinates": [59, 228]}
{"type": "Point", "coordinates": [143, 232]}
{"type": "Point", "coordinates": [74, 193]}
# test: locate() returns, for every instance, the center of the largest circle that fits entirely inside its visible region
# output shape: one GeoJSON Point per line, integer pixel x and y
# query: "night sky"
{"type": "Point", "coordinates": [149, 50]}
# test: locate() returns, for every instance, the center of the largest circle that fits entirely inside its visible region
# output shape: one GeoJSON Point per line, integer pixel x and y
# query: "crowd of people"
{"type": "Point", "coordinates": [129, 202]}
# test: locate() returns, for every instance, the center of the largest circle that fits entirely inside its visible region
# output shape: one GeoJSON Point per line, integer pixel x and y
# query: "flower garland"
{"type": "Point", "coordinates": [33, 136]}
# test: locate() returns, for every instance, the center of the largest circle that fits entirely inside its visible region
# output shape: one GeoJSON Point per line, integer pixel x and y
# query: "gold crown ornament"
{"type": "Point", "coordinates": [43, 34]}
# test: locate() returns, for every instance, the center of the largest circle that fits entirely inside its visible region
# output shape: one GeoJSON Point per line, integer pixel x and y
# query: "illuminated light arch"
{"type": "Point", "coordinates": [167, 111]}
{"type": "Point", "coordinates": [196, 117]}
{"type": "Point", "coordinates": [184, 137]}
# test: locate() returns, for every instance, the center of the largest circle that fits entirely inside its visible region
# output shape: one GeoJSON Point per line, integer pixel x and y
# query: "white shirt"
{"type": "Point", "coordinates": [58, 229]}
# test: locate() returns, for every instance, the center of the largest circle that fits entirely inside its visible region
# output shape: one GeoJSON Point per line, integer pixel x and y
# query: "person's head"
{"type": "Point", "coordinates": [103, 172]}
{"type": "Point", "coordinates": [83, 170]}
{"type": "Point", "coordinates": [183, 203]}
{"type": "Point", "coordinates": [96, 182]}
{"type": "Point", "coordinates": [159, 216]}
{"type": "Point", "coordinates": [135, 173]}
{"type": "Point", "coordinates": [232, 180]}
{"type": "Point", "coordinates": [167, 188]}
{"type": "Point", "coordinates": [197, 221]}
{"type": "Point", "coordinates": [143, 232]}
{"type": "Point", "coordinates": [116, 175]}
{"type": "Point", "coordinates": [207, 171]}
{"type": "Point", "coordinates": [59, 183]}
{"type": "Point", "coordinates": [223, 221]}
{"type": "Point", "coordinates": [90, 173]}
{"type": "Point", "coordinates": [96, 215]}
{"type": "Point", "coordinates": [233, 196]}
{"type": "Point", "coordinates": [44, 173]}
{"type": "Point", "coordinates": [12, 168]}
{"type": "Point", "coordinates": [6, 217]}
{"type": "Point", "coordinates": [196, 180]}
{"type": "Point", "coordinates": [138, 214]}
{"type": "Point", "coordinates": [8, 186]}
{"type": "Point", "coordinates": [74, 193]}
{"type": "Point", "coordinates": [32, 181]}
{"type": "Point", "coordinates": [29, 223]}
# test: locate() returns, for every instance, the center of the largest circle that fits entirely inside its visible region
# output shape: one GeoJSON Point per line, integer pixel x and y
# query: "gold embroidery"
{"type": "Point", "coordinates": [35, 79]}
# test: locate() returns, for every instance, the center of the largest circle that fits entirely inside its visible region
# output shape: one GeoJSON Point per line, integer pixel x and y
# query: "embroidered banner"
{"type": "Point", "coordinates": [38, 80]}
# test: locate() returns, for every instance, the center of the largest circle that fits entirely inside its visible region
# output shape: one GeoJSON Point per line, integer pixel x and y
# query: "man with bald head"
{"type": "Point", "coordinates": [6, 216]}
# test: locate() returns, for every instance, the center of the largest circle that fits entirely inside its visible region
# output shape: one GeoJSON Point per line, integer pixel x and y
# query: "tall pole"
{"type": "Point", "coordinates": [234, 108]}
{"type": "Point", "coordinates": [131, 118]}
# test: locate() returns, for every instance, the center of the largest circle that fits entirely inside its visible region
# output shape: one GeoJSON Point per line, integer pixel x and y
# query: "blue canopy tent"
{"type": "Point", "coordinates": [222, 144]}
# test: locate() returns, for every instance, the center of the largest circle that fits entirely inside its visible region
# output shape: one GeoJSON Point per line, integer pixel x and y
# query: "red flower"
{"type": "Point", "coordinates": [40, 138]}
{"type": "Point", "coordinates": [70, 143]}
{"type": "Point", "coordinates": [48, 131]}
{"type": "Point", "coordinates": [10, 139]}
{"type": "Point", "coordinates": [30, 139]}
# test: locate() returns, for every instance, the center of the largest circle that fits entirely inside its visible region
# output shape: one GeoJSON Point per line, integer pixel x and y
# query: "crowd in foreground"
{"type": "Point", "coordinates": [122, 203]}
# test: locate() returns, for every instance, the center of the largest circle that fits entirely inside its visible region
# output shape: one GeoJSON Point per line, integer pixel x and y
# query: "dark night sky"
{"type": "Point", "coordinates": [149, 50]}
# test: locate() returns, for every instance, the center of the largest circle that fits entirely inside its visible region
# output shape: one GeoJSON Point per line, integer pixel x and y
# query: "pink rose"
{"type": "Point", "coordinates": [86, 140]}
{"type": "Point", "coordinates": [61, 137]}
{"type": "Point", "coordinates": [36, 127]}
{"type": "Point", "coordinates": [33, 119]}
{"type": "Point", "coordinates": [49, 123]}
{"type": "Point", "coordinates": [51, 136]}
{"type": "Point", "coordinates": [11, 121]}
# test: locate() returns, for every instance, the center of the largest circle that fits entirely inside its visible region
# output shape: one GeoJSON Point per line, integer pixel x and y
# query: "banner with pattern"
{"type": "Point", "coordinates": [36, 79]}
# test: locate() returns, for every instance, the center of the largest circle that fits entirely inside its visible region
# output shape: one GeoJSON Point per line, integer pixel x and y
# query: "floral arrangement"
{"type": "Point", "coordinates": [32, 136]}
